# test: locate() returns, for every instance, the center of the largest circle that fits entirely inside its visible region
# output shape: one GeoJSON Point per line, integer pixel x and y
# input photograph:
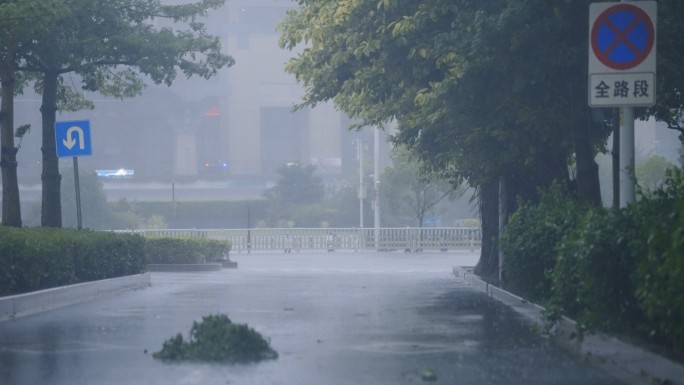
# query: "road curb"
{"type": "Point", "coordinates": [183, 267]}
{"type": "Point", "coordinates": [21, 305]}
{"type": "Point", "coordinates": [629, 363]}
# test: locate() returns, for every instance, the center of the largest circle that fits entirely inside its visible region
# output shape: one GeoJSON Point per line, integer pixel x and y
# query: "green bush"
{"type": "Point", "coordinates": [216, 338]}
{"type": "Point", "coordinates": [660, 273]}
{"type": "Point", "coordinates": [35, 259]}
{"type": "Point", "coordinates": [213, 250]}
{"type": "Point", "coordinates": [593, 280]}
{"type": "Point", "coordinates": [623, 271]}
{"type": "Point", "coordinates": [530, 240]}
{"type": "Point", "coordinates": [185, 250]}
{"type": "Point", "coordinates": [101, 255]}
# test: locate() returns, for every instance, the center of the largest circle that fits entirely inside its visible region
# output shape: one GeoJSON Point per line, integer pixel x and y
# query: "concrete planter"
{"type": "Point", "coordinates": [38, 301]}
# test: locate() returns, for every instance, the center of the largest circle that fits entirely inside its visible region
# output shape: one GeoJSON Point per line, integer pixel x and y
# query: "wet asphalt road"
{"type": "Point", "coordinates": [334, 318]}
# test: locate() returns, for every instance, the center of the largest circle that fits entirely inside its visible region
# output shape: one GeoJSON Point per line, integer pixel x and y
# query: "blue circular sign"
{"type": "Point", "coordinates": [622, 36]}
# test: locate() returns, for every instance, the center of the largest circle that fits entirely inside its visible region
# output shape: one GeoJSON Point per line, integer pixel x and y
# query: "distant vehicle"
{"type": "Point", "coordinates": [217, 168]}
{"type": "Point", "coordinates": [115, 174]}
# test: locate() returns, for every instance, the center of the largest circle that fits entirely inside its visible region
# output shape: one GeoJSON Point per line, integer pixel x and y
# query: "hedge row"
{"type": "Point", "coordinates": [621, 271]}
{"type": "Point", "coordinates": [36, 259]}
{"type": "Point", "coordinates": [185, 250]}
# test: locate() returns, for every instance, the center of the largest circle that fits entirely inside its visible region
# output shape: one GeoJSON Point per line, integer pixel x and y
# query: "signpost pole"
{"type": "Point", "coordinates": [622, 72]}
{"type": "Point", "coordinates": [627, 176]}
{"type": "Point", "coordinates": [77, 184]}
{"type": "Point", "coordinates": [361, 187]}
{"type": "Point", "coordinates": [72, 138]}
{"type": "Point", "coordinates": [376, 185]}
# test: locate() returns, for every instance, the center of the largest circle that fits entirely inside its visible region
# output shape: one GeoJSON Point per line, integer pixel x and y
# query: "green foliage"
{"type": "Point", "coordinates": [35, 259]}
{"type": "Point", "coordinates": [669, 105]}
{"type": "Point", "coordinates": [623, 271]}
{"type": "Point", "coordinates": [530, 240]}
{"type": "Point", "coordinates": [660, 281]}
{"type": "Point", "coordinates": [298, 197]}
{"type": "Point", "coordinates": [185, 250]}
{"type": "Point", "coordinates": [101, 255]}
{"type": "Point", "coordinates": [113, 46]}
{"type": "Point", "coordinates": [479, 89]}
{"type": "Point", "coordinates": [296, 185]}
{"type": "Point", "coordinates": [218, 339]}
{"type": "Point", "coordinates": [96, 213]}
{"type": "Point", "coordinates": [194, 214]}
{"type": "Point", "coordinates": [593, 280]}
{"type": "Point", "coordinates": [652, 173]}
{"type": "Point", "coordinates": [410, 193]}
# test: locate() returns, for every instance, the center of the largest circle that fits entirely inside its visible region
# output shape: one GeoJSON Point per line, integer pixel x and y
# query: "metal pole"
{"type": "Point", "coordinates": [616, 160]}
{"type": "Point", "coordinates": [360, 146]}
{"type": "Point", "coordinates": [376, 184]}
{"type": "Point", "coordinates": [77, 185]}
{"type": "Point", "coordinates": [627, 177]}
{"type": "Point", "coordinates": [249, 229]}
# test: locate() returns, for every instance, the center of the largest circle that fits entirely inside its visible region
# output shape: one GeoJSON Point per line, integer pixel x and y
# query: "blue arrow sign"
{"type": "Point", "coordinates": [73, 138]}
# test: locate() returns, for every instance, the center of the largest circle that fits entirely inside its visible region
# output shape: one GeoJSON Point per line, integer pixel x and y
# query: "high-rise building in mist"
{"type": "Point", "coordinates": [239, 124]}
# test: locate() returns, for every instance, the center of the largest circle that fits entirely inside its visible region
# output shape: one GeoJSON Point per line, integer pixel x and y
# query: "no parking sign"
{"type": "Point", "coordinates": [622, 54]}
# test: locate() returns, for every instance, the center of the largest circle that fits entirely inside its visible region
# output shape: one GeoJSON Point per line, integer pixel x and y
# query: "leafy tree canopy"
{"type": "Point", "coordinates": [296, 185]}
{"type": "Point", "coordinates": [113, 46]}
{"type": "Point", "coordinates": [479, 89]}
{"type": "Point", "coordinates": [409, 193]}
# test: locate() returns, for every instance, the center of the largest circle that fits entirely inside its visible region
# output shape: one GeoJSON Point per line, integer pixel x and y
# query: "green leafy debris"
{"type": "Point", "coordinates": [218, 339]}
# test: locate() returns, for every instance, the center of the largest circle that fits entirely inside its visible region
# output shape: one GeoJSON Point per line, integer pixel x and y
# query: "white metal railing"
{"type": "Point", "coordinates": [296, 239]}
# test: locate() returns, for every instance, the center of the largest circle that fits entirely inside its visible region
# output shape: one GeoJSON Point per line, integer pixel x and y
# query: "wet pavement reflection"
{"type": "Point", "coordinates": [334, 318]}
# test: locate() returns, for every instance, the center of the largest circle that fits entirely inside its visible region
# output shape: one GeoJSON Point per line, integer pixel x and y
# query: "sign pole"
{"type": "Point", "coordinates": [77, 184]}
{"type": "Point", "coordinates": [376, 185]}
{"type": "Point", "coordinates": [361, 187]}
{"type": "Point", "coordinates": [72, 138]}
{"type": "Point", "coordinates": [627, 176]}
{"type": "Point", "coordinates": [622, 72]}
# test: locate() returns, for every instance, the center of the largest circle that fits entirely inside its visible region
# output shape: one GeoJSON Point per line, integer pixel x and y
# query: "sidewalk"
{"type": "Point", "coordinates": [629, 363]}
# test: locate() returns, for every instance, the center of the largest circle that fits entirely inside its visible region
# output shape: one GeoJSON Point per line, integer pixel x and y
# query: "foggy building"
{"type": "Point", "coordinates": [238, 124]}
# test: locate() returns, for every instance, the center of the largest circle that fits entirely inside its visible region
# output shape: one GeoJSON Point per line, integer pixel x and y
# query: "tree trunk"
{"type": "Point", "coordinates": [588, 186]}
{"type": "Point", "coordinates": [11, 207]}
{"type": "Point", "coordinates": [51, 213]}
{"type": "Point", "coordinates": [488, 265]}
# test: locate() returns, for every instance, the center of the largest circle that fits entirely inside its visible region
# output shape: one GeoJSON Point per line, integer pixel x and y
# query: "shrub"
{"type": "Point", "coordinates": [101, 255]}
{"type": "Point", "coordinates": [172, 250]}
{"type": "Point", "coordinates": [660, 273]}
{"type": "Point", "coordinates": [35, 259]}
{"type": "Point", "coordinates": [216, 338]}
{"type": "Point", "coordinates": [213, 250]}
{"type": "Point", "coordinates": [623, 271]}
{"type": "Point", "coordinates": [593, 280]}
{"type": "Point", "coordinates": [530, 240]}
{"type": "Point", "coordinates": [185, 250]}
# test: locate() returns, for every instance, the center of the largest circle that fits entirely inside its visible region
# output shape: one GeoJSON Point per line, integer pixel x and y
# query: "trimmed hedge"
{"type": "Point", "coordinates": [185, 250]}
{"type": "Point", "coordinates": [36, 259]}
